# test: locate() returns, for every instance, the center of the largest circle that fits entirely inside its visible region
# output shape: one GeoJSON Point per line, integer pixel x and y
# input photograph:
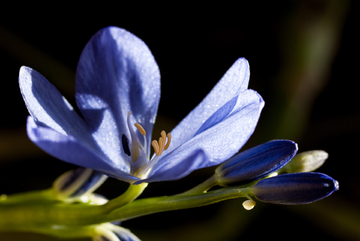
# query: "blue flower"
{"type": "Point", "coordinates": [295, 188]}
{"type": "Point", "coordinates": [117, 93]}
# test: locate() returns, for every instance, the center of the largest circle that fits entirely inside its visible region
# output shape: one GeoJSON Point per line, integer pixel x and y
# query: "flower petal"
{"type": "Point", "coordinates": [234, 82]}
{"type": "Point", "coordinates": [219, 115]}
{"type": "Point", "coordinates": [48, 107]}
{"type": "Point", "coordinates": [225, 138]}
{"type": "Point", "coordinates": [257, 162]}
{"type": "Point", "coordinates": [77, 182]}
{"type": "Point", "coordinates": [176, 166]}
{"type": "Point", "coordinates": [111, 232]}
{"type": "Point", "coordinates": [116, 74]}
{"type": "Point", "coordinates": [69, 149]}
{"type": "Point", "coordinates": [296, 188]}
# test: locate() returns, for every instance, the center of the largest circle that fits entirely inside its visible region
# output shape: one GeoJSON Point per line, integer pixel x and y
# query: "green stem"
{"type": "Point", "coordinates": [161, 204]}
{"type": "Point", "coordinates": [32, 196]}
{"type": "Point", "coordinates": [131, 194]}
{"type": "Point", "coordinates": [202, 187]}
{"type": "Point", "coordinates": [36, 214]}
{"type": "Point", "coordinates": [62, 232]}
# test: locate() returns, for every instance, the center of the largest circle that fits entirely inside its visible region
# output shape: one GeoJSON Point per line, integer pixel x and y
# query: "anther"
{"type": "Point", "coordinates": [125, 144]}
{"type": "Point", "coordinates": [168, 141]}
{"type": "Point", "coordinates": [155, 145]}
{"type": "Point", "coordinates": [140, 128]}
{"type": "Point", "coordinates": [161, 145]}
{"type": "Point", "coordinates": [163, 135]}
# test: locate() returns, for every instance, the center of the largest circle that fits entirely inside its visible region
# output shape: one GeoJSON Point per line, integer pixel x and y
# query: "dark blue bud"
{"type": "Point", "coordinates": [295, 188]}
{"type": "Point", "coordinates": [257, 162]}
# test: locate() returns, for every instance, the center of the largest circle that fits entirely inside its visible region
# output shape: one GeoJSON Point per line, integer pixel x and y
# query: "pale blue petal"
{"type": "Point", "coordinates": [48, 107]}
{"type": "Point", "coordinates": [219, 115]}
{"type": "Point", "coordinates": [234, 82]}
{"type": "Point", "coordinates": [222, 140]}
{"type": "Point", "coordinates": [69, 149]}
{"type": "Point", "coordinates": [116, 74]}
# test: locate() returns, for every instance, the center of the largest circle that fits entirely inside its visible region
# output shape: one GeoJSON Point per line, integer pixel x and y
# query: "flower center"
{"type": "Point", "coordinates": [139, 158]}
{"type": "Point", "coordinates": [159, 146]}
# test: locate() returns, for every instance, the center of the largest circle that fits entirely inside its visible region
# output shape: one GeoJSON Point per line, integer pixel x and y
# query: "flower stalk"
{"type": "Point", "coordinates": [46, 214]}
{"type": "Point", "coordinates": [129, 195]}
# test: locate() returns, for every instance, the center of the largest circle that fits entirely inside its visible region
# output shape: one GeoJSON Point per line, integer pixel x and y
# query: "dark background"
{"type": "Point", "coordinates": [304, 62]}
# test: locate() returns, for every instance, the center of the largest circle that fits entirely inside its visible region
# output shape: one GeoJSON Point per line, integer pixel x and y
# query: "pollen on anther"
{"type": "Point", "coordinates": [155, 145]}
{"type": "Point", "coordinates": [163, 135]}
{"type": "Point", "coordinates": [140, 128]}
{"type": "Point", "coordinates": [161, 145]}
{"type": "Point", "coordinates": [168, 141]}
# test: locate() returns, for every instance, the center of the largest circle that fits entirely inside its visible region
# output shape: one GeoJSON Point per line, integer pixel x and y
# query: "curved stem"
{"type": "Point", "coordinates": [37, 214]}
{"type": "Point", "coordinates": [131, 194]}
{"type": "Point", "coordinates": [202, 187]}
{"type": "Point", "coordinates": [161, 204]}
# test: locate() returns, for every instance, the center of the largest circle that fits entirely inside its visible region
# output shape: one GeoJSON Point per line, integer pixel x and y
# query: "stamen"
{"type": "Point", "coordinates": [168, 141]}
{"type": "Point", "coordinates": [163, 135]}
{"type": "Point", "coordinates": [161, 145]}
{"type": "Point", "coordinates": [155, 145]}
{"type": "Point", "coordinates": [140, 128]}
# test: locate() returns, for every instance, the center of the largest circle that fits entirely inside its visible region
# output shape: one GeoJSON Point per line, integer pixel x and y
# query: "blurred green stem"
{"type": "Point", "coordinates": [27, 216]}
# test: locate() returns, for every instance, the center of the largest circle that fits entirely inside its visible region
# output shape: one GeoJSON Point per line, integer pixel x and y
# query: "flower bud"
{"type": "Point", "coordinates": [78, 182]}
{"type": "Point", "coordinates": [295, 188]}
{"type": "Point", "coordinates": [305, 162]}
{"type": "Point", "coordinates": [256, 163]}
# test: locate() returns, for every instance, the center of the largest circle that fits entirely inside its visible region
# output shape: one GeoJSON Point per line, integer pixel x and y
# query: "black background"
{"type": "Point", "coordinates": [194, 45]}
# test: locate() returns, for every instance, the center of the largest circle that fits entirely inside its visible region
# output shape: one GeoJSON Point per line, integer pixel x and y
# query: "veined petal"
{"type": "Point", "coordinates": [77, 182]}
{"type": "Point", "coordinates": [48, 107]}
{"type": "Point", "coordinates": [116, 74]}
{"type": "Point", "coordinates": [219, 115]}
{"type": "Point", "coordinates": [234, 82]}
{"type": "Point", "coordinates": [176, 166]}
{"type": "Point", "coordinates": [111, 232]}
{"type": "Point", "coordinates": [257, 162]}
{"type": "Point", "coordinates": [69, 149]}
{"type": "Point", "coordinates": [295, 188]}
{"type": "Point", "coordinates": [223, 139]}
